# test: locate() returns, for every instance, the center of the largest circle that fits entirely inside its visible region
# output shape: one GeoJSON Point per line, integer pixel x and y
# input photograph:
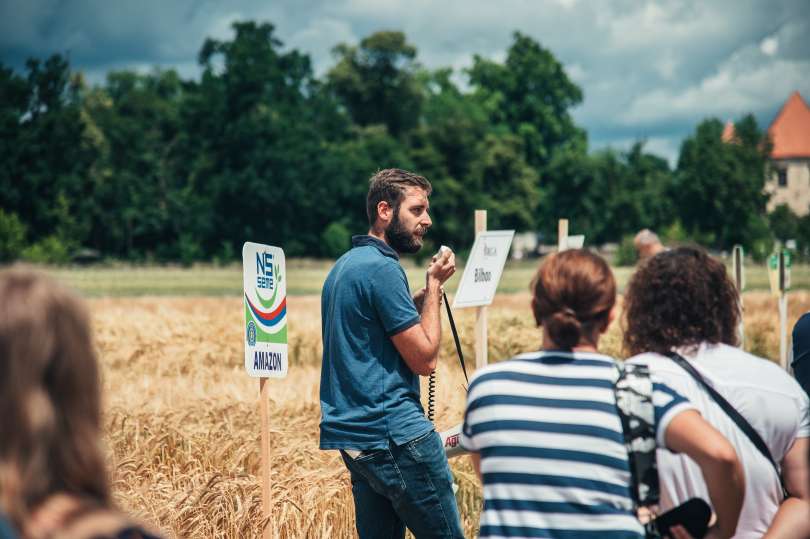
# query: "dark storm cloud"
{"type": "Point", "coordinates": [649, 70]}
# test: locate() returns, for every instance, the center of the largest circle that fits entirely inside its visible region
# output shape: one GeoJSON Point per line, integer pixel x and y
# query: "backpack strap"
{"type": "Point", "coordinates": [634, 401]}
{"type": "Point", "coordinates": [732, 413]}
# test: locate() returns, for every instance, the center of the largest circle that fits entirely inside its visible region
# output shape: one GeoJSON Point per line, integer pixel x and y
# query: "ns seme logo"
{"type": "Point", "coordinates": [264, 270]}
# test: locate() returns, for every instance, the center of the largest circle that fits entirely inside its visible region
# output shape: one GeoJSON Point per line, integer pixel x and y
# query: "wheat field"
{"type": "Point", "coordinates": [182, 417]}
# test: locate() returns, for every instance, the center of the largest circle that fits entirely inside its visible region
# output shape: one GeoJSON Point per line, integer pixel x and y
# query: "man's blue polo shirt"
{"type": "Point", "coordinates": [368, 394]}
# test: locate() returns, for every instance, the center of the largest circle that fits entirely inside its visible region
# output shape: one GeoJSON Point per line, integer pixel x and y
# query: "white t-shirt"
{"type": "Point", "coordinates": [772, 402]}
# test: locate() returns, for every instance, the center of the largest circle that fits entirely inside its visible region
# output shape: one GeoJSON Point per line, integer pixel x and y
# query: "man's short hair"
{"type": "Point", "coordinates": [389, 185]}
{"type": "Point", "coordinates": [646, 237]}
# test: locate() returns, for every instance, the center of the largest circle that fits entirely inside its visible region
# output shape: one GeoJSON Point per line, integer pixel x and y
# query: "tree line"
{"type": "Point", "coordinates": [154, 167]}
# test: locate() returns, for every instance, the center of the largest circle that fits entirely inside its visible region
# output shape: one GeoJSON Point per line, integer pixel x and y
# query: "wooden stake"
{"type": "Point", "coordinates": [783, 347]}
{"type": "Point", "coordinates": [782, 312]}
{"type": "Point", "coordinates": [480, 312]}
{"type": "Point", "coordinates": [737, 266]}
{"type": "Point", "coordinates": [562, 235]}
{"type": "Point", "coordinates": [264, 408]}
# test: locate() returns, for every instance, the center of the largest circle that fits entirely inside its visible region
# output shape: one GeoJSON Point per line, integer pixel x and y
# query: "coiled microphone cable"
{"type": "Point", "coordinates": [432, 378]}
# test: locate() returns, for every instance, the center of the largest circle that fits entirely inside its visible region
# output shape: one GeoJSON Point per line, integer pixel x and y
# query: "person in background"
{"type": "Point", "coordinates": [682, 300]}
{"type": "Point", "coordinates": [377, 341]}
{"type": "Point", "coordinates": [53, 480]}
{"type": "Point", "coordinates": [544, 430]}
{"type": "Point", "coordinates": [801, 352]}
{"type": "Point", "coordinates": [647, 244]}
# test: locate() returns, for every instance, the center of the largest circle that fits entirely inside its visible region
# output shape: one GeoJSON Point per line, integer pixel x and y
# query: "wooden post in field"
{"type": "Point", "coordinates": [738, 259]}
{"type": "Point", "coordinates": [265, 339]}
{"type": "Point", "coordinates": [562, 235]}
{"type": "Point", "coordinates": [264, 408]}
{"type": "Point", "coordinates": [782, 311]}
{"type": "Point", "coordinates": [480, 312]}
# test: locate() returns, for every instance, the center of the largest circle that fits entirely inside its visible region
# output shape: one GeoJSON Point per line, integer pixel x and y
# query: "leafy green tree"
{"type": "Point", "coordinates": [349, 164]}
{"type": "Point", "coordinates": [531, 95]}
{"type": "Point", "coordinates": [718, 186]}
{"type": "Point", "coordinates": [150, 166]}
{"type": "Point", "coordinates": [14, 102]}
{"type": "Point", "coordinates": [251, 154]}
{"type": "Point", "coordinates": [446, 148]}
{"type": "Point", "coordinates": [134, 121]}
{"type": "Point", "coordinates": [49, 250]}
{"type": "Point", "coordinates": [804, 236]}
{"type": "Point", "coordinates": [336, 239]}
{"type": "Point", "coordinates": [783, 223]}
{"type": "Point", "coordinates": [650, 178]}
{"type": "Point", "coordinates": [506, 183]}
{"type": "Point", "coordinates": [377, 82]}
{"type": "Point", "coordinates": [45, 151]}
{"type": "Point", "coordinates": [608, 194]}
{"type": "Point", "coordinates": [12, 236]}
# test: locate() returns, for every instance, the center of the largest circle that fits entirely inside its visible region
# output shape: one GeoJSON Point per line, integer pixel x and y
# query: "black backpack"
{"type": "Point", "coordinates": [634, 402]}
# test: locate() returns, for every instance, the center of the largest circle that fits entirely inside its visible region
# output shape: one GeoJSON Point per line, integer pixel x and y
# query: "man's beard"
{"type": "Point", "coordinates": [399, 238]}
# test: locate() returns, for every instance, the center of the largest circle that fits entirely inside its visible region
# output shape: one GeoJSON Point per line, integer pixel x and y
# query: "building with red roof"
{"type": "Point", "coordinates": [789, 181]}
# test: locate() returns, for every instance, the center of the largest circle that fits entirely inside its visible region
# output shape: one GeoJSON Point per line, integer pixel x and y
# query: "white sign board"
{"type": "Point", "coordinates": [483, 270]}
{"type": "Point", "coordinates": [265, 299]}
{"type": "Point", "coordinates": [575, 242]}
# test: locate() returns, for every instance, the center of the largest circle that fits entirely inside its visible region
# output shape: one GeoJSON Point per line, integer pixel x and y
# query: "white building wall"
{"type": "Point", "coordinates": [796, 194]}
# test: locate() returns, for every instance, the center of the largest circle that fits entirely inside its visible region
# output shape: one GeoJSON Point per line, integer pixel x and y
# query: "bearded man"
{"type": "Point", "coordinates": [377, 341]}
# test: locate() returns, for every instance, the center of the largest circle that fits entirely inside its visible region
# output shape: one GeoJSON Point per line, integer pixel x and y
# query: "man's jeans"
{"type": "Point", "coordinates": [408, 485]}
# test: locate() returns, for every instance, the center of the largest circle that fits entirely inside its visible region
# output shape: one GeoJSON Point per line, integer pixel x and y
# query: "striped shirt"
{"type": "Point", "coordinates": [553, 458]}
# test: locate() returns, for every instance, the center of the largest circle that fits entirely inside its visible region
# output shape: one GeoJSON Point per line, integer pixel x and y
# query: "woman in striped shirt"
{"type": "Point", "coordinates": [545, 435]}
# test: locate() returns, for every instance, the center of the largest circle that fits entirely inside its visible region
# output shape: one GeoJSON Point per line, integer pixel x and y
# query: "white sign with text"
{"type": "Point", "coordinates": [265, 306]}
{"type": "Point", "coordinates": [484, 268]}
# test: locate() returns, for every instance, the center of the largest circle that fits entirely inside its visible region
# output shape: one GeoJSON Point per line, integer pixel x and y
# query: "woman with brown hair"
{"type": "Point", "coordinates": [53, 481]}
{"type": "Point", "coordinates": [682, 313]}
{"type": "Point", "coordinates": [544, 429]}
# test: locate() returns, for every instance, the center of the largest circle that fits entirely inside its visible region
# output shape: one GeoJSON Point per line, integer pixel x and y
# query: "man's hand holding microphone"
{"type": "Point", "coordinates": [442, 267]}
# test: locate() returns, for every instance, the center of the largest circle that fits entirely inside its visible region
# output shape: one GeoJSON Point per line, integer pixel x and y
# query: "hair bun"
{"type": "Point", "coordinates": [564, 328]}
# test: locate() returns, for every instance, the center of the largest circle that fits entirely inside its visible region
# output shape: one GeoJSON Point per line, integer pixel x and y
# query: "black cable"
{"type": "Point", "coordinates": [455, 338]}
{"type": "Point", "coordinates": [431, 412]}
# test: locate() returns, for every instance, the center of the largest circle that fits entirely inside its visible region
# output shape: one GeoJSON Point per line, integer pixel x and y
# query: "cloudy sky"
{"type": "Point", "coordinates": [649, 70]}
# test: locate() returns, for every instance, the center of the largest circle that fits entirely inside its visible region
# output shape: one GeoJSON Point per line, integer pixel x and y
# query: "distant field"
{"type": "Point", "coordinates": [305, 277]}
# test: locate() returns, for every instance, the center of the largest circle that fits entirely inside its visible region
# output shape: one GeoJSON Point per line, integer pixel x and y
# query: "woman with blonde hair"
{"type": "Point", "coordinates": [546, 435]}
{"type": "Point", "coordinates": [53, 480]}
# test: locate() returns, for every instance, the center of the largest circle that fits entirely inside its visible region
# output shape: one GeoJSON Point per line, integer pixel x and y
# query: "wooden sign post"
{"type": "Point", "coordinates": [477, 288]}
{"type": "Point", "coordinates": [738, 268]}
{"type": "Point", "coordinates": [479, 282]}
{"type": "Point", "coordinates": [562, 235]}
{"type": "Point", "coordinates": [779, 277]}
{"type": "Point", "coordinates": [783, 305]}
{"type": "Point", "coordinates": [265, 338]}
{"type": "Point", "coordinates": [481, 338]}
{"type": "Point", "coordinates": [564, 241]}
{"type": "Point", "coordinates": [264, 411]}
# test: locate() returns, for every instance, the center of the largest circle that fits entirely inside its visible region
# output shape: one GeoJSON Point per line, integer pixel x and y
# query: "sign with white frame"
{"type": "Point", "coordinates": [265, 305]}
{"type": "Point", "coordinates": [483, 270]}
